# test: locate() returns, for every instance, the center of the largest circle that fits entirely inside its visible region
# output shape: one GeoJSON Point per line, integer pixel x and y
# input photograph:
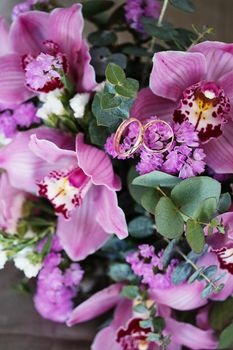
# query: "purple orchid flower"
{"type": "Point", "coordinates": [124, 332]}
{"type": "Point", "coordinates": [195, 86]}
{"type": "Point", "coordinates": [35, 35]}
{"type": "Point", "coordinates": [80, 184]}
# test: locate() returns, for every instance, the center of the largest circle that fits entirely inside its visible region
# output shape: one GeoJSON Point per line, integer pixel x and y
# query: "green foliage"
{"type": "Point", "coordinates": [92, 8]}
{"type": "Point", "coordinates": [169, 252]}
{"type": "Point", "coordinates": [224, 202]}
{"type": "Point", "coordinates": [156, 178]}
{"type": "Point", "coordinates": [189, 194]}
{"type": "Point", "coordinates": [102, 38]}
{"type": "Point", "coordinates": [195, 236]}
{"type": "Point", "coordinates": [169, 221]}
{"type": "Point", "coordinates": [221, 314]}
{"type": "Point", "coordinates": [184, 5]}
{"type": "Point", "coordinates": [98, 134]}
{"type": "Point", "coordinates": [181, 273]}
{"type": "Point", "coordinates": [226, 338]}
{"type": "Point", "coordinates": [112, 105]}
{"type": "Point", "coordinates": [150, 199]}
{"type": "Point", "coordinates": [130, 292]}
{"type": "Point", "coordinates": [141, 226]}
{"type": "Point", "coordinates": [120, 272]}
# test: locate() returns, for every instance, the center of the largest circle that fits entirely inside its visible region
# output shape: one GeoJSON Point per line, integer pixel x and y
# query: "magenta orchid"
{"type": "Point", "coordinates": [125, 332]}
{"type": "Point", "coordinates": [37, 42]}
{"type": "Point", "coordinates": [197, 90]}
{"type": "Point", "coordinates": [81, 186]}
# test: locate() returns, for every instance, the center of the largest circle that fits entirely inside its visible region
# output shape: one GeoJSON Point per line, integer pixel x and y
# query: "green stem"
{"type": "Point", "coordinates": [162, 13]}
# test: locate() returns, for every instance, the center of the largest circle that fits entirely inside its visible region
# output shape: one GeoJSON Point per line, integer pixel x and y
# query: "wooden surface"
{"type": "Point", "coordinates": [21, 328]}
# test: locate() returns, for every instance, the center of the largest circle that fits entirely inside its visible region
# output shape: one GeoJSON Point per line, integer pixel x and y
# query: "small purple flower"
{"type": "Point", "coordinates": [136, 9]}
{"type": "Point", "coordinates": [149, 162]}
{"type": "Point", "coordinates": [43, 73]}
{"type": "Point", "coordinates": [7, 124]}
{"type": "Point", "coordinates": [25, 115]}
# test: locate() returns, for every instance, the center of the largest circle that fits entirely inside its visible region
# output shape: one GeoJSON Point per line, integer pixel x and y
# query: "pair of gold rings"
{"type": "Point", "coordinates": [140, 139]}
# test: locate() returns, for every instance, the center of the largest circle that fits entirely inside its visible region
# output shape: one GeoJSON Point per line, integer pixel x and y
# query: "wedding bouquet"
{"type": "Point", "coordinates": [116, 171]}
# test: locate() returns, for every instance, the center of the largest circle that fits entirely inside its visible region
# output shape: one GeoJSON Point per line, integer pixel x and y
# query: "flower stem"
{"type": "Point", "coordinates": [162, 13]}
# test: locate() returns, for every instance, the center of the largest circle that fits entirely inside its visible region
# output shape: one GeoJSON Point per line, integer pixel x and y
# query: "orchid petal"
{"type": "Point", "coordinates": [29, 31]}
{"type": "Point", "coordinates": [12, 79]}
{"type": "Point", "coordinates": [5, 45]}
{"type": "Point", "coordinates": [23, 167]}
{"type": "Point", "coordinates": [84, 71]}
{"type": "Point", "coordinates": [96, 164]}
{"type": "Point", "coordinates": [82, 235]}
{"type": "Point", "coordinates": [105, 339]}
{"type": "Point", "coordinates": [96, 305]}
{"type": "Point", "coordinates": [174, 71]}
{"type": "Point", "coordinates": [183, 297]}
{"type": "Point", "coordinates": [148, 104]}
{"type": "Point", "coordinates": [219, 151]}
{"type": "Point", "coordinates": [66, 26]}
{"type": "Point", "coordinates": [108, 214]}
{"type": "Point", "coordinates": [190, 336]}
{"type": "Point", "coordinates": [218, 57]}
{"type": "Point", "coordinates": [51, 153]}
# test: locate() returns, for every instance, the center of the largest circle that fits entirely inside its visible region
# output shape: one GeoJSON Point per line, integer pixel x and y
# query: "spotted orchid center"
{"type": "Point", "coordinates": [225, 258]}
{"type": "Point", "coordinates": [44, 72]}
{"type": "Point", "coordinates": [134, 337]}
{"type": "Point", "coordinates": [205, 106]}
{"type": "Point", "coordinates": [65, 189]}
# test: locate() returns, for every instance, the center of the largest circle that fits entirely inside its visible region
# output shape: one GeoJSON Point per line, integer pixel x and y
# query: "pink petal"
{"type": "Point", "coordinates": [219, 58]}
{"type": "Point", "coordinates": [96, 305]}
{"type": "Point", "coordinates": [83, 70]}
{"type": "Point", "coordinates": [12, 87]}
{"type": "Point", "coordinates": [108, 214]}
{"type": "Point", "coordinates": [219, 151]}
{"type": "Point", "coordinates": [190, 336]}
{"type": "Point", "coordinates": [182, 297]}
{"type": "Point", "coordinates": [65, 29]}
{"type": "Point", "coordinates": [11, 203]}
{"type": "Point", "coordinates": [96, 164]}
{"type": "Point", "coordinates": [51, 153]}
{"type": "Point", "coordinates": [23, 167]}
{"type": "Point", "coordinates": [29, 31]}
{"type": "Point", "coordinates": [226, 83]}
{"type": "Point", "coordinates": [82, 235]}
{"type": "Point", "coordinates": [105, 339]}
{"type": "Point", "coordinates": [5, 45]}
{"type": "Point", "coordinates": [148, 104]}
{"type": "Point", "coordinates": [174, 71]}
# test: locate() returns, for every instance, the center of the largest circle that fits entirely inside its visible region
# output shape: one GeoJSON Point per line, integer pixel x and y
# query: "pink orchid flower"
{"type": "Point", "coordinates": [11, 205]}
{"type": "Point", "coordinates": [125, 333]}
{"type": "Point", "coordinates": [37, 38]}
{"type": "Point", "coordinates": [222, 244]}
{"type": "Point", "coordinates": [195, 86]}
{"type": "Point", "coordinates": [80, 184]}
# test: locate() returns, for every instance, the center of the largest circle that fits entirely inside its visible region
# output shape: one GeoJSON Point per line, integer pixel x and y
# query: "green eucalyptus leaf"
{"type": "Point", "coordinates": [115, 74]}
{"type": "Point", "coordinates": [189, 194]}
{"type": "Point", "coordinates": [169, 252]}
{"type": "Point", "coordinates": [221, 314]}
{"type": "Point", "coordinates": [146, 323]}
{"type": "Point", "coordinates": [184, 5]}
{"type": "Point", "coordinates": [120, 272]}
{"type": "Point", "coordinates": [102, 38]}
{"type": "Point", "coordinates": [93, 7]}
{"type": "Point", "coordinates": [130, 292]}
{"type": "Point", "coordinates": [224, 203]}
{"type": "Point", "coordinates": [181, 273]}
{"type": "Point", "coordinates": [140, 308]}
{"type": "Point", "coordinates": [136, 192]}
{"type": "Point", "coordinates": [156, 178]}
{"type": "Point", "coordinates": [210, 270]}
{"type": "Point", "coordinates": [206, 210]}
{"type": "Point", "coordinates": [128, 88]}
{"type": "Point", "coordinates": [195, 236]}
{"type": "Point", "coordinates": [207, 291]}
{"type": "Point", "coordinates": [226, 338]}
{"type": "Point", "coordinates": [161, 32]}
{"type": "Point", "coordinates": [136, 51]}
{"type": "Point", "coordinates": [169, 222]}
{"type": "Point", "coordinates": [141, 226]}
{"type": "Point", "coordinates": [98, 134]}
{"type": "Point", "coordinates": [195, 275]}
{"type": "Point", "coordinates": [150, 199]}
{"type": "Point", "coordinates": [109, 101]}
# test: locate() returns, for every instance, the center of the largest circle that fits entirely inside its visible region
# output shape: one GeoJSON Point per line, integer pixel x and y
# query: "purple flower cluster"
{"type": "Point", "coordinates": [184, 158]}
{"type": "Point", "coordinates": [25, 7]}
{"type": "Point", "coordinates": [23, 116]}
{"type": "Point", "coordinates": [136, 9]}
{"type": "Point", "coordinates": [148, 265]}
{"type": "Point", "coordinates": [42, 73]}
{"type": "Point", "coordinates": [56, 288]}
